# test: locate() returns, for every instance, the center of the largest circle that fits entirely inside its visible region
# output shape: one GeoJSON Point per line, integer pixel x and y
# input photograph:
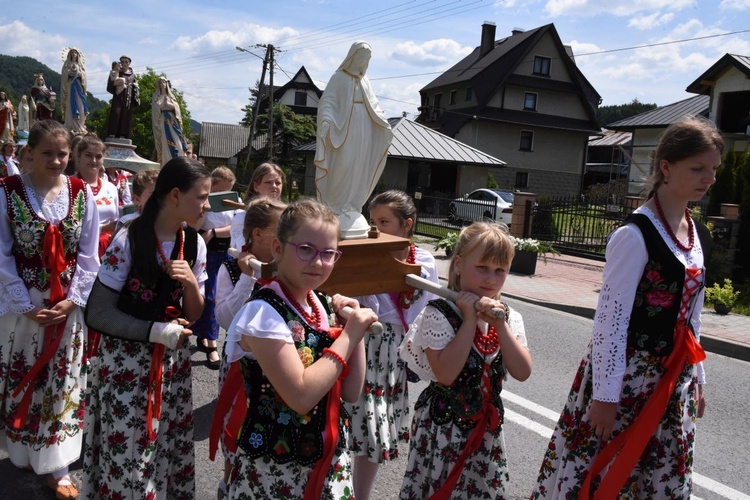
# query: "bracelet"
{"type": "Point", "coordinates": [338, 357]}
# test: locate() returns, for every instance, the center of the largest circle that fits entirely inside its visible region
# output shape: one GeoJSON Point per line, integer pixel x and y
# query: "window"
{"type": "Point", "coordinates": [469, 93]}
{"type": "Point", "coordinates": [522, 179]}
{"type": "Point", "coordinates": [541, 65]}
{"type": "Point", "coordinates": [300, 98]}
{"type": "Point", "coordinates": [529, 101]}
{"type": "Point", "coordinates": [527, 140]}
{"type": "Point", "coordinates": [436, 101]}
{"type": "Point", "coordinates": [452, 97]}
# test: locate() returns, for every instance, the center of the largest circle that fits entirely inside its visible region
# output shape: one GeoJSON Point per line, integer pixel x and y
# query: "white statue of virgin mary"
{"type": "Point", "coordinates": [352, 142]}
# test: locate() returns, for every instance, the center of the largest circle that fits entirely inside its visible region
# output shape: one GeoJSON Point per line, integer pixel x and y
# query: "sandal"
{"type": "Point", "coordinates": [201, 346]}
{"type": "Point", "coordinates": [213, 364]}
{"type": "Point", "coordinates": [64, 488]}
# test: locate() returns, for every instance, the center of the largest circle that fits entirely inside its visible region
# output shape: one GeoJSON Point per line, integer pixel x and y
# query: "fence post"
{"type": "Point", "coordinates": [631, 203]}
{"type": "Point", "coordinates": [523, 209]}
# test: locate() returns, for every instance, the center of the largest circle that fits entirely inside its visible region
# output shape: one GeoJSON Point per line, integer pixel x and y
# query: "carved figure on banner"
{"type": "Point", "coordinates": [353, 138]}
{"type": "Point", "coordinates": [169, 141]}
{"type": "Point", "coordinates": [73, 91]}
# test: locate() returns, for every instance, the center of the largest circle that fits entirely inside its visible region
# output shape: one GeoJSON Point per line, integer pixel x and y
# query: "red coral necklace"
{"type": "Point", "coordinates": [181, 242]}
{"type": "Point", "coordinates": [406, 299]}
{"type": "Point", "coordinates": [94, 189]}
{"type": "Point", "coordinates": [486, 343]}
{"type": "Point", "coordinates": [691, 235]}
{"type": "Point", "coordinates": [313, 318]}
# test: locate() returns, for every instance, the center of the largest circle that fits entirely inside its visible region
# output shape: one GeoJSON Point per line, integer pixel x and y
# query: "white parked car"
{"type": "Point", "coordinates": [482, 204]}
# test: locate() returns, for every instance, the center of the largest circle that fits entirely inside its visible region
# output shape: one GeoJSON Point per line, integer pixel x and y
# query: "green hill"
{"type": "Point", "coordinates": [17, 77]}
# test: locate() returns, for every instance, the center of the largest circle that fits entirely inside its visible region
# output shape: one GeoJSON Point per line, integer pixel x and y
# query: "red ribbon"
{"type": "Point", "coordinates": [53, 259]}
{"type": "Point", "coordinates": [486, 419]}
{"type": "Point", "coordinates": [628, 446]}
{"type": "Point", "coordinates": [155, 373]}
{"type": "Point", "coordinates": [318, 476]}
{"type": "Point", "coordinates": [231, 398]}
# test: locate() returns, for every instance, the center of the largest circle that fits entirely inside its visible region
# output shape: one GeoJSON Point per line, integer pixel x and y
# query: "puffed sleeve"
{"type": "Point", "coordinates": [87, 264]}
{"type": "Point", "coordinates": [229, 299]}
{"type": "Point", "coordinates": [431, 330]}
{"type": "Point", "coordinates": [199, 268]}
{"type": "Point", "coordinates": [14, 297]}
{"type": "Point", "coordinates": [626, 258]}
{"type": "Point", "coordinates": [256, 318]}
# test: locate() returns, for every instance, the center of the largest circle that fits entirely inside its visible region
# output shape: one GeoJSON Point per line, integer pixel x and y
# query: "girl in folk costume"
{"type": "Point", "coordinates": [297, 368]}
{"type": "Point", "coordinates": [628, 427]}
{"type": "Point", "coordinates": [149, 289]}
{"type": "Point", "coordinates": [48, 262]}
{"type": "Point", "coordinates": [380, 415]}
{"type": "Point", "coordinates": [268, 180]}
{"type": "Point", "coordinates": [120, 180]}
{"type": "Point", "coordinates": [465, 350]}
{"type": "Point", "coordinates": [215, 232]}
{"type": "Point", "coordinates": [235, 283]}
{"type": "Point", "coordinates": [8, 163]}
{"type": "Point", "coordinates": [89, 157]}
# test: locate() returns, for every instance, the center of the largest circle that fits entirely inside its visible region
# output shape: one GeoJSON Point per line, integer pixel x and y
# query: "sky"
{"type": "Point", "coordinates": [649, 50]}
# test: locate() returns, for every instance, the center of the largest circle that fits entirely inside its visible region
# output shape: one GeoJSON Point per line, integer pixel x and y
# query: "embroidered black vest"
{"type": "Point", "coordinates": [658, 296]}
{"type": "Point", "coordinates": [233, 268]}
{"type": "Point", "coordinates": [149, 302]}
{"type": "Point", "coordinates": [462, 400]}
{"type": "Point", "coordinates": [271, 428]}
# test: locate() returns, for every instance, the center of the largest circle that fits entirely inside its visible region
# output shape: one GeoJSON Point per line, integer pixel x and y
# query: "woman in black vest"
{"type": "Point", "coordinates": [637, 392]}
{"type": "Point", "coordinates": [148, 291]}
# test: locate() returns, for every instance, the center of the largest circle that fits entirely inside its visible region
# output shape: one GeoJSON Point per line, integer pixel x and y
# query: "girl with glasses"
{"type": "Point", "coordinates": [297, 368]}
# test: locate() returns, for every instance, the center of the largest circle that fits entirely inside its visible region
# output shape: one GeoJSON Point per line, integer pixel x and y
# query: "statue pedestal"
{"type": "Point", "coordinates": [120, 154]}
{"type": "Point", "coordinates": [366, 267]}
{"type": "Point", "coordinates": [353, 225]}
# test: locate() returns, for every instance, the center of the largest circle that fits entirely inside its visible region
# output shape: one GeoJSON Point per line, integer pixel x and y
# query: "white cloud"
{"type": "Point", "coordinates": [18, 39]}
{"type": "Point", "coordinates": [244, 35]}
{"type": "Point", "coordinates": [643, 23]}
{"type": "Point", "coordinates": [735, 4]}
{"type": "Point", "coordinates": [440, 52]}
{"type": "Point", "coordinates": [594, 7]}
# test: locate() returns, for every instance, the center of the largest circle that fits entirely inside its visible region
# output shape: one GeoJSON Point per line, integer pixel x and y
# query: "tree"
{"type": "Point", "coordinates": [611, 114]}
{"type": "Point", "coordinates": [247, 120]}
{"type": "Point", "coordinates": [143, 133]}
{"type": "Point", "coordinates": [723, 190]}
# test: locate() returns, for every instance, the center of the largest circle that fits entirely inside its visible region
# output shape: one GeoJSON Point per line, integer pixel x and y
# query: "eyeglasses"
{"type": "Point", "coordinates": [307, 253]}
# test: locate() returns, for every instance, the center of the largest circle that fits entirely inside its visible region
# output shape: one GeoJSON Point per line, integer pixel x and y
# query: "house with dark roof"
{"type": "Point", "coordinates": [422, 159]}
{"type": "Point", "coordinates": [646, 129]}
{"type": "Point", "coordinates": [223, 144]}
{"type": "Point", "coordinates": [723, 97]}
{"type": "Point", "coordinates": [300, 94]}
{"type": "Point", "coordinates": [521, 98]}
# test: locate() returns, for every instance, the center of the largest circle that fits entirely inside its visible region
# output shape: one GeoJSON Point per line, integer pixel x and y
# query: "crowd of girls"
{"type": "Point", "coordinates": [310, 403]}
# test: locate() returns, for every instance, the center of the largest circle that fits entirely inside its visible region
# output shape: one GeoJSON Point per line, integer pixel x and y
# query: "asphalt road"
{"type": "Point", "coordinates": [557, 341]}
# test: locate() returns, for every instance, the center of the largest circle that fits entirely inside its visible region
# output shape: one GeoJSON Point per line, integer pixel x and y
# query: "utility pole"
{"type": "Point", "coordinates": [269, 55]}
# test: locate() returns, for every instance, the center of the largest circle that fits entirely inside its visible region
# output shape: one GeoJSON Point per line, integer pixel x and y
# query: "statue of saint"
{"type": "Point", "coordinates": [43, 99]}
{"type": "Point", "coordinates": [7, 113]}
{"type": "Point", "coordinates": [169, 141]}
{"type": "Point", "coordinates": [352, 142]}
{"type": "Point", "coordinates": [24, 117]}
{"type": "Point", "coordinates": [73, 91]}
{"type": "Point", "coordinates": [125, 96]}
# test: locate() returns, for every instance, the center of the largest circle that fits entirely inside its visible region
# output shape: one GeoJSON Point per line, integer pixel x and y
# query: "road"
{"type": "Point", "coordinates": [557, 341]}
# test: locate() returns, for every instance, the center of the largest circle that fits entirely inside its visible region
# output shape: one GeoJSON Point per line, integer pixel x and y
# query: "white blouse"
{"type": "Point", "coordinates": [216, 220]}
{"type": "Point", "coordinates": [383, 305]}
{"type": "Point", "coordinates": [626, 258]}
{"type": "Point", "coordinates": [259, 319]}
{"type": "Point", "coordinates": [117, 263]}
{"type": "Point", "coordinates": [107, 202]}
{"type": "Point", "coordinates": [14, 296]}
{"type": "Point", "coordinates": [432, 330]}
{"type": "Point", "coordinates": [230, 298]}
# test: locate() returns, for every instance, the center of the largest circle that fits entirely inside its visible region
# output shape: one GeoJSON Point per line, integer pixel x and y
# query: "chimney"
{"type": "Point", "coordinates": [488, 38]}
{"type": "Point", "coordinates": [517, 31]}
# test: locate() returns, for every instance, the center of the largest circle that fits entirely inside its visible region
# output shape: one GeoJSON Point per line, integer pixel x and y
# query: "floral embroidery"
{"type": "Point", "coordinates": [312, 340]}
{"type": "Point", "coordinates": [256, 439]}
{"type": "Point", "coordinates": [298, 331]}
{"type": "Point", "coordinates": [305, 355]}
{"type": "Point", "coordinates": [654, 291]}
{"type": "Point", "coordinates": [112, 260]}
{"type": "Point", "coordinates": [284, 418]}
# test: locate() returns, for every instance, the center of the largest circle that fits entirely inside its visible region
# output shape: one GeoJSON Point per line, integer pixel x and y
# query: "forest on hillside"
{"type": "Point", "coordinates": [17, 77]}
{"type": "Point", "coordinates": [617, 112]}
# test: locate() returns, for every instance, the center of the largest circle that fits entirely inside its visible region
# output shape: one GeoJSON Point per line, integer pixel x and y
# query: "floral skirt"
{"type": "Point", "coordinates": [264, 478]}
{"type": "Point", "coordinates": [433, 451]}
{"type": "Point", "coordinates": [380, 415]}
{"type": "Point", "coordinates": [223, 372]}
{"type": "Point", "coordinates": [119, 456]}
{"type": "Point", "coordinates": [665, 468]}
{"type": "Point", "coordinates": [207, 327]}
{"type": "Point", "coordinates": [53, 434]}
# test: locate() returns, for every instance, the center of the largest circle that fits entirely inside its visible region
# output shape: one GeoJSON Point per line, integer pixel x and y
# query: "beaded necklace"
{"type": "Point", "coordinates": [406, 299]}
{"type": "Point", "coordinates": [94, 189]}
{"type": "Point", "coordinates": [486, 343]}
{"type": "Point", "coordinates": [313, 318]}
{"type": "Point", "coordinates": [181, 253]}
{"type": "Point", "coordinates": [664, 222]}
